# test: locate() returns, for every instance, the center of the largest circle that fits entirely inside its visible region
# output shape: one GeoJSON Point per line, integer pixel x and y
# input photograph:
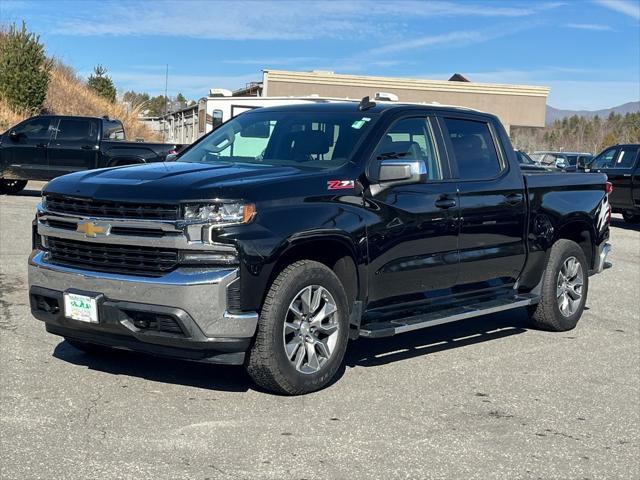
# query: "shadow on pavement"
{"type": "Point", "coordinates": [619, 223]}
{"type": "Point", "coordinates": [370, 353]}
{"type": "Point", "coordinates": [158, 369]}
{"type": "Point", "coordinates": [363, 353]}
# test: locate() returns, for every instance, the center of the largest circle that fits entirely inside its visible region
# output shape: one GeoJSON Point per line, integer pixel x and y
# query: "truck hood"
{"type": "Point", "coordinates": [170, 182]}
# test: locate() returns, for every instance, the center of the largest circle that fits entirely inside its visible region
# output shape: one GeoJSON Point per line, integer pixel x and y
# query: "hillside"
{"type": "Point", "coordinates": [554, 114]}
{"type": "Point", "coordinates": [67, 95]}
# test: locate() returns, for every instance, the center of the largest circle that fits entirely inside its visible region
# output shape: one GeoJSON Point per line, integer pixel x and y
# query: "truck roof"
{"type": "Point", "coordinates": [379, 107]}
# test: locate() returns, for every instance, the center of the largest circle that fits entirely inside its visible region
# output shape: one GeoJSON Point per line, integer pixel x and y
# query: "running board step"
{"type": "Point", "coordinates": [401, 325]}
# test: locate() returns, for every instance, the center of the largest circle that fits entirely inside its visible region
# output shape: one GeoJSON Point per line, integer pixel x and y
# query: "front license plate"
{"type": "Point", "coordinates": [81, 307]}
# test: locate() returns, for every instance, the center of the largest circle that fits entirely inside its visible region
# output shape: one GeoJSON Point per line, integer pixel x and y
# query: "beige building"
{"type": "Point", "coordinates": [515, 105]}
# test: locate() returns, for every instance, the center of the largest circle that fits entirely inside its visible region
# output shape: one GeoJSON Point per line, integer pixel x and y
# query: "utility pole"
{"type": "Point", "coordinates": [166, 85]}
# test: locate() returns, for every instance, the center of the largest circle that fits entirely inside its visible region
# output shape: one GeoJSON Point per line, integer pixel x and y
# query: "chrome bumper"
{"type": "Point", "coordinates": [202, 294]}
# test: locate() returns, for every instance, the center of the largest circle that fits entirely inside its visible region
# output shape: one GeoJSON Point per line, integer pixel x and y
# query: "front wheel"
{"type": "Point", "coordinates": [631, 217]}
{"type": "Point", "coordinates": [302, 331]}
{"type": "Point", "coordinates": [11, 187]}
{"type": "Point", "coordinates": [565, 285]}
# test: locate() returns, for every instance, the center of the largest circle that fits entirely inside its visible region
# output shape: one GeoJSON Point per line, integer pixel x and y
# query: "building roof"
{"type": "Point", "coordinates": [389, 83]}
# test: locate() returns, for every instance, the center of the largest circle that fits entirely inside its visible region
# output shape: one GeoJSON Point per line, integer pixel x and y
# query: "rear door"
{"type": "Point", "coordinates": [413, 237]}
{"type": "Point", "coordinates": [75, 146]}
{"type": "Point", "coordinates": [619, 164]}
{"type": "Point", "coordinates": [492, 205]}
{"type": "Point", "coordinates": [25, 153]}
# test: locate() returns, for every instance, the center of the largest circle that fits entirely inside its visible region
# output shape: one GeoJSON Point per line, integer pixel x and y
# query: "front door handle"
{"type": "Point", "coordinates": [514, 198]}
{"type": "Point", "coordinates": [87, 147]}
{"type": "Point", "coordinates": [445, 203]}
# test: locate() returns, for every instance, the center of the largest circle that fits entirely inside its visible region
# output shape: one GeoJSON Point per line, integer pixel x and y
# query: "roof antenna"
{"type": "Point", "coordinates": [366, 104]}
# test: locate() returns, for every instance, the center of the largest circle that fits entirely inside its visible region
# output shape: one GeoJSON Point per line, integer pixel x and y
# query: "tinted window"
{"type": "Point", "coordinates": [410, 139]}
{"type": "Point", "coordinates": [77, 129]}
{"type": "Point", "coordinates": [473, 149]}
{"type": "Point", "coordinates": [626, 157]}
{"type": "Point", "coordinates": [36, 128]}
{"type": "Point", "coordinates": [295, 138]}
{"type": "Point", "coordinates": [605, 159]}
{"type": "Point", "coordinates": [112, 130]}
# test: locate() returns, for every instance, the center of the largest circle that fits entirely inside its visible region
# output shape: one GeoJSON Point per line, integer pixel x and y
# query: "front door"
{"type": "Point", "coordinates": [492, 206]}
{"type": "Point", "coordinates": [25, 150]}
{"type": "Point", "coordinates": [413, 229]}
{"type": "Point", "coordinates": [74, 146]}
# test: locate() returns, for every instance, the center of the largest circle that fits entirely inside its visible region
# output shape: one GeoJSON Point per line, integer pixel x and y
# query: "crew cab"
{"type": "Point", "coordinates": [621, 164]}
{"type": "Point", "coordinates": [287, 231]}
{"type": "Point", "coordinates": [47, 146]}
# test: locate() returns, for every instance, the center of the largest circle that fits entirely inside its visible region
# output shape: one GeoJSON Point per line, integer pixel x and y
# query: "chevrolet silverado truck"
{"type": "Point", "coordinates": [287, 231]}
{"type": "Point", "coordinates": [621, 164]}
{"type": "Point", "coordinates": [47, 146]}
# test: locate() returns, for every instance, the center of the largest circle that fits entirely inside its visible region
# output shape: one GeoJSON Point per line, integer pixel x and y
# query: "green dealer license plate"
{"type": "Point", "coordinates": [81, 307]}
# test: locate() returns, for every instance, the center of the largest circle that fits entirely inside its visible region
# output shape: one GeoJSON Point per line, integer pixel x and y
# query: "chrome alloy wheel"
{"type": "Point", "coordinates": [569, 287]}
{"type": "Point", "coordinates": [311, 329]}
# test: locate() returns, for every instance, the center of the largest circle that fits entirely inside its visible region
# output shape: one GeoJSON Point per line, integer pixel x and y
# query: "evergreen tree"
{"type": "Point", "coordinates": [24, 69]}
{"type": "Point", "coordinates": [102, 84]}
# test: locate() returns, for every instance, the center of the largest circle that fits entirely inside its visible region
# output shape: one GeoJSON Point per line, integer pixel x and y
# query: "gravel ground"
{"type": "Point", "coordinates": [484, 399]}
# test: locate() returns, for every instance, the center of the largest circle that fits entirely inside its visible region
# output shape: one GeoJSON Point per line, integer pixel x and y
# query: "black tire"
{"type": "Point", "coordinates": [89, 348]}
{"type": "Point", "coordinates": [631, 217]}
{"type": "Point", "coordinates": [11, 187]}
{"type": "Point", "coordinates": [546, 315]}
{"type": "Point", "coordinates": [267, 362]}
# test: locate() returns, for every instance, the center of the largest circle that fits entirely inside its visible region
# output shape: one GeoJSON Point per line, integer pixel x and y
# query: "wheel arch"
{"type": "Point", "coordinates": [581, 232]}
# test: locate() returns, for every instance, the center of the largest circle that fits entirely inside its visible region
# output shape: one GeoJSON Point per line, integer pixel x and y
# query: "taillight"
{"type": "Point", "coordinates": [608, 187]}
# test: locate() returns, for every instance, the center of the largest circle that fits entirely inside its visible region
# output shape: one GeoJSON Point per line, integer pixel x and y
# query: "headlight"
{"type": "Point", "coordinates": [220, 213]}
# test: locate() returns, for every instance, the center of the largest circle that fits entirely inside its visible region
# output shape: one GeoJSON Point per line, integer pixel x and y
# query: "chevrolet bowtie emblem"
{"type": "Point", "coordinates": [93, 229]}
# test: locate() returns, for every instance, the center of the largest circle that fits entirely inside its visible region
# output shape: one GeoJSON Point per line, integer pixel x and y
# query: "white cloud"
{"type": "Point", "coordinates": [588, 26]}
{"type": "Point", "coordinates": [629, 8]}
{"type": "Point", "coordinates": [270, 20]}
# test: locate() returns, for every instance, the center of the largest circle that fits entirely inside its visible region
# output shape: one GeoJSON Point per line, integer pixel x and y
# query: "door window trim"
{"type": "Point", "coordinates": [453, 161]}
{"type": "Point", "coordinates": [437, 145]}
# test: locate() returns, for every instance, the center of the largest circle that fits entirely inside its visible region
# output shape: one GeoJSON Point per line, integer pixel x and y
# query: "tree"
{"type": "Point", "coordinates": [136, 99]}
{"type": "Point", "coordinates": [102, 84]}
{"type": "Point", "coordinates": [180, 98]}
{"type": "Point", "coordinates": [24, 69]}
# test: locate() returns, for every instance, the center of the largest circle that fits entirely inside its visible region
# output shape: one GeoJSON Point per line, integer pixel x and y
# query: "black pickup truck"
{"type": "Point", "coordinates": [621, 163]}
{"type": "Point", "coordinates": [289, 230]}
{"type": "Point", "coordinates": [45, 147]}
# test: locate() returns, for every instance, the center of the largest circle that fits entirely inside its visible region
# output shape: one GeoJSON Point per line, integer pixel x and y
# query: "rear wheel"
{"type": "Point", "coordinates": [564, 289]}
{"type": "Point", "coordinates": [631, 217]}
{"type": "Point", "coordinates": [11, 187]}
{"type": "Point", "coordinates": [302, 331]}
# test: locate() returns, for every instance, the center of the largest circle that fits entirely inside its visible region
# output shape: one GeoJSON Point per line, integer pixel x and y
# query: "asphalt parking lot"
{"type": "Point", "coordinates": [488, 398]}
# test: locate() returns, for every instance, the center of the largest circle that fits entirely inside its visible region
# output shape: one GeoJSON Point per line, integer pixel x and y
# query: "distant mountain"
{"type": "Point", "coordinates": [554, 114]}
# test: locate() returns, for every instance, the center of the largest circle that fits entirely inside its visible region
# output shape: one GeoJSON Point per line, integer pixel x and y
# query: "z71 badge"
{"type": "Point", "coordinates": [339, 184]}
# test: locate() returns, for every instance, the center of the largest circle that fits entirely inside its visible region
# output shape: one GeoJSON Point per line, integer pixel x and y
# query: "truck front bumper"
{"type": "Point", "coordinates": [181, 314]}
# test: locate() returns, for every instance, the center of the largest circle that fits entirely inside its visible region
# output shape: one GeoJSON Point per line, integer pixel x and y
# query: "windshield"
{"type": "Point", "coordinates": [277, 138]}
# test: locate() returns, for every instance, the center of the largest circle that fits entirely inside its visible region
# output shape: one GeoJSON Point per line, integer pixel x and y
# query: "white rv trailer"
{"type": "Point", "coordinates": [190, 123]}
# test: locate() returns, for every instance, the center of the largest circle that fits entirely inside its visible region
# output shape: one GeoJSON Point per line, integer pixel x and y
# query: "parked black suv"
{"type": "Point", "coordinates": [288, 230]}
{"type": "Point", "coordinates": [45, 147]}
{"type": "Point", "coordinates": [621, 163]}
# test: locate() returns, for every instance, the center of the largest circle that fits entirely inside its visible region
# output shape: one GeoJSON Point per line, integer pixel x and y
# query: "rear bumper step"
{"type": "Point", "coordinates": [401, 325]}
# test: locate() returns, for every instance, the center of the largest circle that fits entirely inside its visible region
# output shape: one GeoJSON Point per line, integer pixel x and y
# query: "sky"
{"type": "Point", "coordinates": [586, 51]}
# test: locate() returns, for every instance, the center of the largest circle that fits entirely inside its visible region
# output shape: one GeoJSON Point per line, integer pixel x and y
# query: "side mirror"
{"type": "Point", "coordinates": [171, 157]}
{"type": "Point", "coordinates": [400, 172]}
{"type": "Point", "coordinates": [13, 135]}
{"type": "Point", "coordinates": [561, 163]}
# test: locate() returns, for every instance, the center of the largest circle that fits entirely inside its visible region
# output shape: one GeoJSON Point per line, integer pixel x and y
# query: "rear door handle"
{"type": "Point", "coordinates": [445, 203]}
{"type": "Point", "coordinates": [41, 145]}
{"type": "Point", "coordinates": [514, 198]}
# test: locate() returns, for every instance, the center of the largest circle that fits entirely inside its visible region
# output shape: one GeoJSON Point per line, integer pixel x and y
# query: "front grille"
{"type": "Point", "coordinates": [128, 259]}
{"type": "Point", "coordinates": [100, 208]}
